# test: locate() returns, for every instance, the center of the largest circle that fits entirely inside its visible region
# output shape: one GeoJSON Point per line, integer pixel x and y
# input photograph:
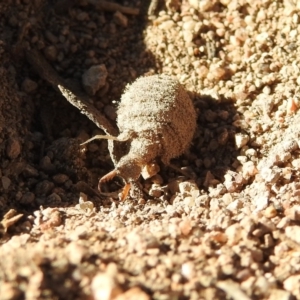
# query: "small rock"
{"type": "Point", "coordinates": [133, 294]}
{"type": "Point", "coordinates": [270, 212]}
{"type": "Point", "coordinates": [284, 222]}
{"type": "Point", "coordinates": [202, 200]}
{"type": "Point", "coordinates": [92, 147]}
{"type": "Point", "coordinates": [189, 25]}
{"type": "Point", "coordinates": [234, 234]}
{"type": "Point", "coordinates": [53, 217]}
{"type": "Point", "coordinates": [261, 202]}
{"type": "Point", "coordinates": [50, 53]}
{"type": "Point", "coordinates": [290, 145]}
{"type": "Point", "coordinates": [203, 71]}
{"type": "Point", "coordinates": [207, 162]}
{"type": "Point", "coordinates": [60, 178]}
{"type": "Point", "coordinates": [157, 179]}
{"type": "Point", "coordinates": [189, 201]}
{"type": "Point", "coordinates": [205, 5]}
{"type": "Point", "coordinates": [150, 170]}
{"type": "Point", "coordinates": [85, 205]}
{"type": "Point", "coordinates": [293, 213]}
{"type": "Point", "coordinates": [52, 38]}
{"type": "Point", "coordinates": [249, 169]}
{"type": "Point", "coordinates": [229, 183]}
{"type": "Point", "coordinates": [232, 289]}
{"type": "Point", "coordinates": [216, 192]}
{"type": "Point", "coordinates": [9, 292]}
{"type": "Point", "coordinates": [270, 175]}
{"type": "Point", "coordinates": [105, 287]}
{"type": "Point", "coordinates": [120, 19]}
{"type": "Point", "coordinates": [173, 186]}
{"type": "Point", "coordinates": [210, 115]}
{"type": "Point", "coordinates": [82, 135]}
{"type": "Point", "coordinates": [293, 232]}
{"type": "Point", "coordinates": [292, 285]}
{"type": "Point", "coordinates": [262, 37]}
{"type": "Point", "coordinates": [188, 36]}
{"type": "Point", "coordinates": [30, 171]}
{"type": "Point", "coordinates": [166, 25]}
{"type": "Point", "coordinates": [44, 187]}
{"type": "Point", "coordinates": [225, 2]}
{"type": "Point", "coordinates": [291, 106]}
{"type": "Point", "coordinates": [194, 3]}
{"type": "Point", "coordinates": [223, 137]}
{"type": "Point", "coordinates": [94, 78]}
{"type": "Point", "coordinates": [75, 253]}
{"type": "Point", "coordinates": [189, 187]}
{"type": "Point", "coordinates": [218, 73]}
{"type": "Point", "coordinates": [27, 198]}
{"type": "Point", "coordinates": [155, 191]}
{"type": "Point", "coordinates": [5, 182]}
{"type": "Point", "coordinates": [188, 270]}
{"type": "Point", "coordinates": [82, 198]}
{"type": "Point", "coordinates": [13, 148]}
{"type": "Point", "coordinates": [141, 241]}
{"type": "Point", "coordinates": [80, 232]}
{"type": "Point", "coordinates": [241, 140]}
{"type": "Point", "coordinates": [234, 206]}
{"type": "Point", "coordinates": [276, 294]}
{"type": "Point", "coordinates": [185, 227]}
{"type": "Point", "coordinates": [82, 16]}
{"type": "Point", "coordinates": [248, 224]}
{"type": "Point", "coordinates": [54, 198]}
{"type": "Point", "coordinates": [46, 165]}
{"type": "Point", "coordinates": [269, 242]}
{"type": "Point", "coordinates": [29, 85]}
{"type": "Point", "coordinates": [227, 198]}
{"type": "Point", "coordinates": [218, 237]}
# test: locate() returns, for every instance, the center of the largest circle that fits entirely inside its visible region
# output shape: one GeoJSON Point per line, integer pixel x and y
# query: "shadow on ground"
{"type": "Point", "coordinates": [40, 157]}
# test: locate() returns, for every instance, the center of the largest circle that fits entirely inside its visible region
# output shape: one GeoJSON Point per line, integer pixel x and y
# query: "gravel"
{"type": "Point", "coordinates": [222, 221]}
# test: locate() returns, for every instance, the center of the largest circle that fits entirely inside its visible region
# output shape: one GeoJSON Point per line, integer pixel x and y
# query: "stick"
{"type": "Point", "coordinates": [71, 93]}
{"type": "Point", "coordinates": [110, 6]}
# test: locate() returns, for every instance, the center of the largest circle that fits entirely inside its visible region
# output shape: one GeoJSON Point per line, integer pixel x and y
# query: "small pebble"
{"type": "Point", "coordinates": [94, 79]}
{"type": "Point", "coordinates": [292, 284]}
{"type": "Point", "coordinates": [60, 178]}
{"type": "Point", "coordinates": [270, 212]}
{"type": "Point", "coordinates": [50, 53]}
{"type": "Point", "coordinates": [13, 148]}
{"type": "Point", "coordinates": [5, 182]}
{"type": "Point", "coordinates": [44, 187]}
{"type": "Point", "coordinates": [28, 198]}
{"type": "Point", "coordinates": [46, 165]}
{"type": "Point", "coordinates": [29, 85]}
{"type": "Point", "coordinates": [241, 140]}
{"type": "Point", "coordinates": [54, 198]}
{"type": "Point", "coordinates": [293, 232]}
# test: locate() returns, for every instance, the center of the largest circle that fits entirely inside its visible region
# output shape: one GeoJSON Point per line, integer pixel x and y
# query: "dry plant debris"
{"type": "Point", "coordinates": [228, 229]}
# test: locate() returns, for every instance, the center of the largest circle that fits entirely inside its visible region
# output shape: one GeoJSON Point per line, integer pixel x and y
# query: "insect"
{"type": "Point", "coordinates": [157, 120]}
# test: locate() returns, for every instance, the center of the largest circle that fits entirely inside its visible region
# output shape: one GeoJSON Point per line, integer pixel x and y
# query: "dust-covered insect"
{"type": "Point", "coordinates": [157, 120]}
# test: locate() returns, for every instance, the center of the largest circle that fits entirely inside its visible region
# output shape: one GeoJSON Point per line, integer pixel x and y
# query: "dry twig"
{"type": "Point", "coordinates": [112, 7]}
{"type": "Point", "coordinates": [70, 92]}
{"type": "Point", "coordinates": [77, 98]}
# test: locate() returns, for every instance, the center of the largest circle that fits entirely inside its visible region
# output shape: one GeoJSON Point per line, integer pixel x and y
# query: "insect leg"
{"type": "Point", "coordinates": [125, 191]}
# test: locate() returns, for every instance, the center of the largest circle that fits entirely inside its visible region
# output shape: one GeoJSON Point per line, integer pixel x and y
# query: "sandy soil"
{"type": "Point", "coordinates": [222, 222]}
